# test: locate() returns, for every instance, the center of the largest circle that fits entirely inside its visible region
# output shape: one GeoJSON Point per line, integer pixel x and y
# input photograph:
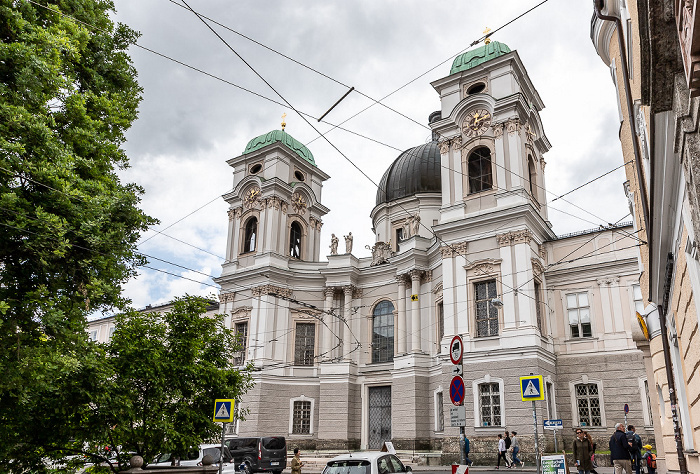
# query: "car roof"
{"type": "Point", "coordinates": [362, 455]}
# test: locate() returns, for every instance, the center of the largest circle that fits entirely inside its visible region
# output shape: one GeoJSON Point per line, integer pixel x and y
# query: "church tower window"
{"type": "Point", "coordinates": [295, 240]}
{"type": "Point", "coordinates": [479, 170]}
{"type": "Point", "coordinates": [533, 177]}
{"type": "Point", "coordinates": [251, 229]}
{"type": "Point", "coordinates": [383, 332]}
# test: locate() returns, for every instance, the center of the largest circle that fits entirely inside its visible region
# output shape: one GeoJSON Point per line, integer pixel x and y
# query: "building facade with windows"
{"type": "Point", "coordinates": [350, 352]}
{"type": "Point", "coordinates": [652, 49]}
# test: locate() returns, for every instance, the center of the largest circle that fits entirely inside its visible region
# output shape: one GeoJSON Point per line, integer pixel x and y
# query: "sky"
{"type": "Point", "coordinates": [190, 123]}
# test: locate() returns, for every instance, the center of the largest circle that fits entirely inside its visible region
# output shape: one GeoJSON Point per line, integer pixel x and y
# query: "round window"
{"type": "Point", "coordinates": [299, 175]}
{"type": "Point", "coordinates": [476, 88]}
{"type": "Point", "coordinates": [255, 169]}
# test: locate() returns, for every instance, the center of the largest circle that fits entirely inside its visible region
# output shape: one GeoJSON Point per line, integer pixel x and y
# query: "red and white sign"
{"type": "Point", "coordinates": [456, 350]}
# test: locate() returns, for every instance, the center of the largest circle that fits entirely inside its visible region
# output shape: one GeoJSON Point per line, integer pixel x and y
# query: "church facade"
{"type": "Point", "coordinates": [350, 352]}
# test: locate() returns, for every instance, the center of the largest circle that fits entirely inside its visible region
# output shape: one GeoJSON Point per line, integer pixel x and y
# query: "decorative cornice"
{"type": "Point", "coordinates": [514, 237]}
{"type": "Point", "coordinates": [444, 146]}
{"type": "Point", "coordinates": [498, 130]}
{"type": "Point", "coordinates": [485, 266]}
{"type": "Point", "coordinates": [267, 289]}
{"type": "Point", "coordinates": [227, 297]}
{"type": "Point", "coordinates": [537, 267]}
{"type": "Point", "coordinates": [241, 309]}
{"type": "Point", "coordinates": [607, 281]}
{"type": "Point", "coordinates": [452, 250]}
{"type": "Point", "coordinates": [438, 289]}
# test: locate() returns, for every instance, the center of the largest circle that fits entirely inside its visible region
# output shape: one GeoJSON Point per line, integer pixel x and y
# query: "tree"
{"type": "Point", "coordinates": [163, 373]}
{"type": "Point", "coordinates": [68, 226]}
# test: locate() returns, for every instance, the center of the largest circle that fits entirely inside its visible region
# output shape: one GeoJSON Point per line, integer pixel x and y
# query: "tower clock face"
{"type": "Point", "coordinates": [476, 123]}
{"type": "Point", "coordinates": [252, 195]}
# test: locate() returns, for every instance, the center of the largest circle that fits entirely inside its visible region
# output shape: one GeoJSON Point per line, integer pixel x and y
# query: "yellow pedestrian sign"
{"type": "Point", "coordinates": [223, 410]}
{"type": "Point", "coordinates": [531, 388]}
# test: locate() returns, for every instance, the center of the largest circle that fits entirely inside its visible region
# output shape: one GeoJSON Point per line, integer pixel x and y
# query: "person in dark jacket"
{"type": "Point", "coordinates": [620, 450]}
{"type": "Point", "coordinates": [582, 453]}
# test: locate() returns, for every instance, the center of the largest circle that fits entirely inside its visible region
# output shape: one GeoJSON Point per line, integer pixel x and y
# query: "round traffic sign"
{"type": "Point", "coordinates": [456, 350]}
{"type": "Point", "coordinates": [627, 408]}
{"type": "Point", "coordinates": [457, 390]}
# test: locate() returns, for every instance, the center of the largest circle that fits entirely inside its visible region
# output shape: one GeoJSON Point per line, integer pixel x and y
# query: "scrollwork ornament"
{"type": "Point", "coordinates": [444, 146]}
{"type": "Point", "coordinates": [457, 143]}
{"type": "Point", "coordinates": [498, 130]}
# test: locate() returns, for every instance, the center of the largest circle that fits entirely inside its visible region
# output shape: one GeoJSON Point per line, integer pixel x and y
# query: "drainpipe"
{"type": "Point", "coordinates": [630, 119]}
{"type": "Point", "coordinates": [669, 367]}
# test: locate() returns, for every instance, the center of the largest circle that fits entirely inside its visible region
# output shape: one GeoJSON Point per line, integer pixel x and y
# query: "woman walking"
{"type": "Point", "coordinates": [594, 464]}
{"type": "Point", "coordinates": [515, 444]}
{"type": "Point", "coordinates": [501, 452]}
{"type": "Point", "coordinates": [582, 453]}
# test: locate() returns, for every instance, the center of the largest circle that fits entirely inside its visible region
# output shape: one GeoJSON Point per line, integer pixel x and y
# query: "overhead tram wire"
{"type": "Point", "coordinates": [310, 115]}
{"type": "Point", "coordinates": [318, 132]}
{"type": "Point", "coordinates": [474, 43]}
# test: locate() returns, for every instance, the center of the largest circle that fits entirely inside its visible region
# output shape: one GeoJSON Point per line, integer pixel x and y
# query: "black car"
{"type": "Point", "coordinates": [262, 454]}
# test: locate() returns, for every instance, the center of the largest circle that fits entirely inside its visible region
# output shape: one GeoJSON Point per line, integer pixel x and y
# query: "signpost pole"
{"type": "Point", "coordinates": [537, 447]}
{"type": "Point", "coordinates": [221, 451]}
{"type": "Point", "coordinates": [462, 461]}
{"type": "Point", "coordinates": [556, 449]}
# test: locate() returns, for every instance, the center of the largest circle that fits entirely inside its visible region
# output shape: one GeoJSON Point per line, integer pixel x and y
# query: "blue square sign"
{"type": "Point", "coordinates": [223, 410]}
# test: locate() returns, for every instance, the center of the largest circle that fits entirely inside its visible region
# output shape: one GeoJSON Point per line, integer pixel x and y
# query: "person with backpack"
{"type": "Point", "coordinates": [636, 448]}
{"type": "Point", "coordinates": [649, 459]}
{"type": "Point", "coordinates": [620, 450]}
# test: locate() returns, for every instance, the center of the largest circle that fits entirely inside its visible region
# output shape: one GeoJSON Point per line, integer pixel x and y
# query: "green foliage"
{"type": "Point", "coordinates": [68, 226]}
{"type": "Point", "coordinates": [164, 372]}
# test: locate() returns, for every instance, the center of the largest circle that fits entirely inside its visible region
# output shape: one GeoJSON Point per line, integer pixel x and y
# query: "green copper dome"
{"type": "Point", "coordinates": [478, 56]}
{"type": "Point", "coordinates": [286, 139]}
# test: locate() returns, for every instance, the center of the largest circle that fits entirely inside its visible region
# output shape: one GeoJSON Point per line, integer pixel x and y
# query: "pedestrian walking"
{"type": "Point", "coordinates": [582, 452]}
{"type": "Point", "coordinates": [620, 450]}
{"type": "Point", "coordinates": [296, 462]}
{"type": "Point", "coordinates": [501, 452]}
{"type": "Point", "coordinates": [649, 459]}
{"type": "Point", "coordinates": [515, 446]}
{"type": "Point", "coordinates": [466, 451]}
{"type": "Point", "coordinates": [636, 450]}
{"type": "Point", "coordinates": [593, 448]}
{"type": "Point", "coordinates": [506, 438]}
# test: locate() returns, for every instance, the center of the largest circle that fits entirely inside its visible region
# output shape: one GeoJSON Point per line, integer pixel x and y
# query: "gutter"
{"type": "Point", "coordinates": [630, 119]}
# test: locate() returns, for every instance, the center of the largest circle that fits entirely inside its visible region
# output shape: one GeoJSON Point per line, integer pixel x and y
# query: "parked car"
{"type": "Point", "coordinates": [260, 454]}
{"type": "Point", "coordinates": [194, 457]}
{"type": "Point", "coordinates": [367, 462]}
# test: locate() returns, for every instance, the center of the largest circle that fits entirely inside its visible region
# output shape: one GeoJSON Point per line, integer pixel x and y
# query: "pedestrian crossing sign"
{"type": "Point", "coordinates": [223, 410]}
{"type": "Point", "coordinates": [531, 388]}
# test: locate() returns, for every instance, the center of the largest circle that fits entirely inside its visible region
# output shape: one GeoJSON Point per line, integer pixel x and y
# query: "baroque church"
{"type": "Point", "coordinates": [350, 352]}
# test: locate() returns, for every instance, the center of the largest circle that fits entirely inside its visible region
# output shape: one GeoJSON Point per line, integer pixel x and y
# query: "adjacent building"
{"type": "Point", "coordinates": [652, 49]}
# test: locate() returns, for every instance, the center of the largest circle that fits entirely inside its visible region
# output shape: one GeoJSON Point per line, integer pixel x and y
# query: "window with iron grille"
{"type": "Point", "coordinates": [383, 332]}
{"type": "Point", "coordinates": [301, 421]}
{"type": "Point", "coordinates": [241, 331]}
{"type": "Point", "coordinates": [486, 313]}
{"type": "Point", "coordinates": [579, 314]}
{"type": "Point", "coordinates": [490, 404]}
{"type": "Point", "coordinates": [538, 305]}
{"type": "Point", "coordinates": [588, 404]}
{"type": "Point", "coordinates": [304, 344]}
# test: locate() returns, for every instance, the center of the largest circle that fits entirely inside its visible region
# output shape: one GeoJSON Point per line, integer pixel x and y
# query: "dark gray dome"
{"type": "Point", "coordinates": [416, 170]}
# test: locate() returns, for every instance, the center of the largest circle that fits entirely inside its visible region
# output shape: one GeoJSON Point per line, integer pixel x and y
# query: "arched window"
{"type": "Point", "coordinates": [383, 332]}
{"type": "Point", "coordinates": [251, 230]}
{"type": "Point", "coordinates": [295, 240]}
{"type": "Point", "coordinates": [533, 177]}
{"type": "Point", "coordinates": [479, 170]}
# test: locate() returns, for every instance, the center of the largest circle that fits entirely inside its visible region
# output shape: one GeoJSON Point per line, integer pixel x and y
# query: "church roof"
{"type": "Point", "coordinates": [478, 56]}
{"type": "Point", "coordinates": [416, 170]}
{"type": "Point", "coordinates": [286, 139]}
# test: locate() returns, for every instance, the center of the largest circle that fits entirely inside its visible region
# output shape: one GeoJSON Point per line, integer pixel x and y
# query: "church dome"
{"type": "Point", "coordinates": [478, 56]}
{"type": "Point", "coordinates": [286, 139]}
{"type": "Point", "coordinates": [416, 170]}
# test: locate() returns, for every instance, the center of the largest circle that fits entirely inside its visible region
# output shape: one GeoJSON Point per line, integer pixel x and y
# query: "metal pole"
{"type": "Point", "coordinates": [462, 460]}
{"type": "Point", "coordinates": [556, 449]}
{"type": "Point", "coordinates": [625, 421]}
{"type": "Point", "coordinates": [221, 451]}
{"type": "Point", "coordinates": [537, 446]}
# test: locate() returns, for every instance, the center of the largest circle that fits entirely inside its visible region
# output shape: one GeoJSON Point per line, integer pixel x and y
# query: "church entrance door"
{"type": "Point", "coordinates": [379, 416]}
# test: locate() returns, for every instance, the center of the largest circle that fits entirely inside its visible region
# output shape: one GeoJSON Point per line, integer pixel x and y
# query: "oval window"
{"type": "Point", "coordinates": [255, 169]}
{"type": "Point", "coordinates": [299, 175]}
{"type": "Point", "coordinates": [476, 88]}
